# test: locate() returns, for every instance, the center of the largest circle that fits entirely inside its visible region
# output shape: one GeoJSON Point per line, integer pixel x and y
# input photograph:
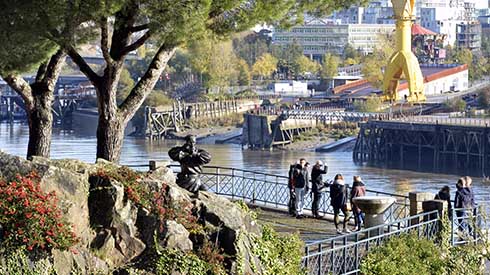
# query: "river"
{"type": "Point", "coordinates": [69, 144]}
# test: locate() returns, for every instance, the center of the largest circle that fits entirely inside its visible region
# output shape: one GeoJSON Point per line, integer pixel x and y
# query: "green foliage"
{"type": "Point", "coordinates": [242, 205]}
{"type": "Point", "coordinates": [17, 262]}
{"type": "Point", "coordinates": [351, 53]}
{"type": "Point", "coordinates": [372, 104]}
{"type": "Point", "coordinates": [279, 255]}
{"type": "Point", "coordinates": [455, 105]}
{"type": "Point", "coordinates": [244, 74]}
{"type": "Point", "coordinates": [246, 93]}
{"type": "Point", "coordinates": [373, 63]}
{"type": "Point", "coordinates": [330, 66]}
{"type": "Point", "coordinates": [186, 263]}
{"type": "Point", "coordinates": [158, 98]}
{"type": "Point", "coordinates": [484, 98]}
{"type": "Point", "coordinates": [251, 46]}
{"type": "Point", "coordinates": [286, 56]}
{"type": "Point", "coordinates": [306, 65]}
{"type": "Point", "coordinates": [265, 66]}
{"type": "Point", "coordinates": [402, 255]}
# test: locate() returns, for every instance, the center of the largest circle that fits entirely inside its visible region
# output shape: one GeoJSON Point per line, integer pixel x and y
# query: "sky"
{"type": "Point", "coordinates": [481, 4]}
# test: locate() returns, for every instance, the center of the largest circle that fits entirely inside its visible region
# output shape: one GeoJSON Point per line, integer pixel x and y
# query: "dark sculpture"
{"type": "Point", "coordinates": [191, 159]}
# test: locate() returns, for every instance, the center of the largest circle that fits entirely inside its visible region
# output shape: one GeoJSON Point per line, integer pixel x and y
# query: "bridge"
{"type": "Point", "coordinates": [64, 102]}
{"type": "Point", "coordinates": [426, 143]}
{"type": "Point", "coordinates": [340, 255]}
{"type": "Point", "coordinates": [161, 120]}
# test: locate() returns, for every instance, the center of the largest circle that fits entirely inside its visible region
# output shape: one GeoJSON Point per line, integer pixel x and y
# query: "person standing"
{"type": "Point", "coordinates": [358, 190]}
{"type": "Point", "coordinates": [338, 200]}
{"type": "Point", "coordinates": [464, 203]}
{"type": "Point", "coordinates": [292, 195]}
{"type": "Point", "coordinates": [302, 185]}
{"type": "Point", "coordinates": [317, 173]}
{"type": "Point", "coordinates": [445, 195]}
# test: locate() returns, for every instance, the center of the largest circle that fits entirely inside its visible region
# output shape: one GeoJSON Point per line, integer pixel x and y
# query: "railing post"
{"type": "Point", "coordinates": [356, 250]}
{"type": "Point", "coordinates": [307, 253]}
{"type": "Point", "coordinates": [276, 192]}
{"type": "Point", "coordinates": [254, 190]}
{"type": "Point", "coordinates": [344, 255]}
{"type": "Point", "coordinates": [218, 179]}
{"type": "Point", "coordinates": [332, 257]}
{"type": "Point", "coordinates": [453, 216]}
{"type": "Point", "coordinates": [320, 250]}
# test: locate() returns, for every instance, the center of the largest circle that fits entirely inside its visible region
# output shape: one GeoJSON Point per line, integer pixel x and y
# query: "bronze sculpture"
{"type": "Point", "coordinates": [191, 159]}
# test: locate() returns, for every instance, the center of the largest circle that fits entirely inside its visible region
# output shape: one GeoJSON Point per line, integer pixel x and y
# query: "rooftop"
{"type": "Point", "coordinates": [362, 88]}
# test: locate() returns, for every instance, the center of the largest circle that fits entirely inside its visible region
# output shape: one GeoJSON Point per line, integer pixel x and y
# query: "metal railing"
{"type": "Point", "coordinates": [473, 122]}
{"type": "Point", "coordinates": [343, 254]}
{"type": "Point", "coordinates": [271, 191]}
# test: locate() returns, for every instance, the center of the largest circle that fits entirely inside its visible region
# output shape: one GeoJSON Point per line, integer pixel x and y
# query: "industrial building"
{"type": "Point", "coordinates": [317, 37]}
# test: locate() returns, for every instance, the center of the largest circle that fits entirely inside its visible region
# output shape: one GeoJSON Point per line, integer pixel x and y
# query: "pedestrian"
{"type": "Point", "coordinates": [302, 186]}
{"type": "Point", "coordinates": [317, 173]}
{"type": "Point", "coordinates": [464, 203]}
{"type": "Point", "coordinates": [292, 195]}
{"type": "Point", "coordinates": [445, 195]}
{"type": "Point", "coordinates": [339, 202]}
{"type": "Point", "coordinates": [358, 190]}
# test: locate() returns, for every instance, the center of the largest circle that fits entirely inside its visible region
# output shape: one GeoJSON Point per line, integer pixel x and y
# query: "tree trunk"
{"type": "Point", "coordinates": [110, 136]}
{"type": "Point", "coordinates": [40, 120]}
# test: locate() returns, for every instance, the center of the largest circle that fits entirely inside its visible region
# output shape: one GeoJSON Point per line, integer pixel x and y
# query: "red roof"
{"type": "Point", "coordinates": [419, 30]}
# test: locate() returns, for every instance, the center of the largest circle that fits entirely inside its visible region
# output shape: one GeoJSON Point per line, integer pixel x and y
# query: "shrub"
{"type": "Point", "coordinates": [189, 263]}
{"type": "Point", "coordinates": [32, 218]}
{"type": "Point", "coordinates": [279, 255]}
{"type": "Point", "coordinates": [17, 262]}
{"type": "Point", "coordinates": [402, 255]}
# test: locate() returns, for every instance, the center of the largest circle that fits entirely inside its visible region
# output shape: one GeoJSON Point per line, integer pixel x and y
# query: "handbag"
{"type": "Point", "coordinates": [347, 206]}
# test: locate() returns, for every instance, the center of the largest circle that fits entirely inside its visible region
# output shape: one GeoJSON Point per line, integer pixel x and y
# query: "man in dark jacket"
{"type": "Point", "coordinates": [302, 185]}
{"type": "Point", "coordinates": [464, 204]}
{"type": "Point", "coordinates": [317, 184]}
{"type": "Point", "coordinates": [292, 195]}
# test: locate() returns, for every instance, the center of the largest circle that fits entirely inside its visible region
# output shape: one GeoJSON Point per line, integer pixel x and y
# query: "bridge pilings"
{"type": "Point", "coordinates": [454, 149]}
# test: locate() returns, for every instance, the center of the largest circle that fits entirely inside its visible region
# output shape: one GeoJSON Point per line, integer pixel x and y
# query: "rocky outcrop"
{"type": "Point", "coordinates": [115, 233]}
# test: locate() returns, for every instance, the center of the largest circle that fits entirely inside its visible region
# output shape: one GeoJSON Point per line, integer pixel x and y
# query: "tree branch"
{"type": "Point", "coordinates": [146, 84]}
{"type": "Point", "coordinates": [139, 28]}
{"type": "Point", "coordinates": [82, 65]}
{"type": "Point", "coordinates": [104, 40]}
{"type": "Point", "coordinates": [138, 43]}
{"type": "Point", "coordinates": [54, 69]}
{"type": "Point", "coordinates": [21, 86]}
{"type": "Point", "coordinates": [41, 71]}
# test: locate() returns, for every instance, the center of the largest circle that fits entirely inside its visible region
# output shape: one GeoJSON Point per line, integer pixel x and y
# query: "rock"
{"type": "Point", "coordinates": [114, 216]}
{"type": "Point", "coordinates": [81, 262]}
{"type": "Point", "coordinates": [175, 236]}
{"type": "Point", "coordinates": [228, 217]}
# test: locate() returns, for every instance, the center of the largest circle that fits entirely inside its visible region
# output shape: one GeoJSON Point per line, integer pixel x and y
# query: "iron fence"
{"type": "Point", "coordinates": [343, 254]}
{"type": "Point", "coordinates": [271, 191]}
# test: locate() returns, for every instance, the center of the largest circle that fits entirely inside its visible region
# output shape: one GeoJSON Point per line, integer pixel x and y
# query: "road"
{"type": "Point", "coordinates": [446, 96]}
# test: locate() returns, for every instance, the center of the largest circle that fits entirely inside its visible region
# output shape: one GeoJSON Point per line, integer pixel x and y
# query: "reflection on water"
{"type": "Point", "coordinates": [66, 144]}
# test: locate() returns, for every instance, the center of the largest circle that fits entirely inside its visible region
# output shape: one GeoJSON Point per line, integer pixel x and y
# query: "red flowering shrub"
{"type": "Point", "coordinates": [32, 218]}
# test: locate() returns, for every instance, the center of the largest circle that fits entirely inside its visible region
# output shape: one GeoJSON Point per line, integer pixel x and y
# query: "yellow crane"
{"type": "Point", "coordinates": [403, 62]}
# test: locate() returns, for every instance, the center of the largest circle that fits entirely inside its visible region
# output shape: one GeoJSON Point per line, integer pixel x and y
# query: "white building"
{"type": "Point", "coordinates": [296, 88]}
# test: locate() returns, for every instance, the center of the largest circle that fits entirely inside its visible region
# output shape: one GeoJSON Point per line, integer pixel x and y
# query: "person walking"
{"type": "Point", "coordinates": [358, 190]}
{"type": "Point", "coordinates": [317, 173]}
{"type": "Point", "coordinates": [445, 195]}
{"type": "Point", "coordinates": [339, 202]}
{"type": "Point", "coordinates": [302, 186]}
